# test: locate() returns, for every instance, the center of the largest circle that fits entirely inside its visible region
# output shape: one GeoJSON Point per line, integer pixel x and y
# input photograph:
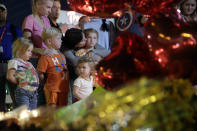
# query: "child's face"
{"type": "Point", "coordinates": [44, 8]}
{"type": "Point", "coordinates": [82, 42]}
{"type": "Point", "coordinates": [27, 54]}
{"type": "Point", "coordinates": [56, 42]}
{"type": "Point", "coordinates": [91, 40]}
{"type": "Point", "coordinates": [84, 69]}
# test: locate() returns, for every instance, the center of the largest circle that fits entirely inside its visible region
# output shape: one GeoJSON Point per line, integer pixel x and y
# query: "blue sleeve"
{"type": "Point", "coordinates": [19, 32]}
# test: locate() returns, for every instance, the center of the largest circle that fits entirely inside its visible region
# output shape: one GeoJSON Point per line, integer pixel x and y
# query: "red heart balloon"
{"type": "Point", "coordinates": [150, 7]}
{"type": "Point", "coordinates": [99, 8]}
{"type": "Point", "coordinates": [129, 60]}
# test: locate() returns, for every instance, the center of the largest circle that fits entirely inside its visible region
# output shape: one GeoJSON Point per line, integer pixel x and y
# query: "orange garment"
{"type": "Point", "coordinates": [57, 98]}
{"type": "Point", "coordinates": [57, 73]}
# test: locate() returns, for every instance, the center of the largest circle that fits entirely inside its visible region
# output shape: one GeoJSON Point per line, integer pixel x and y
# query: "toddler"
{"type": "Point", "coordinates": [57, 86]}
{"type": "Point", "coordinates": [83, 85]}
{"type": "Point", "coordinates": [22, 73]}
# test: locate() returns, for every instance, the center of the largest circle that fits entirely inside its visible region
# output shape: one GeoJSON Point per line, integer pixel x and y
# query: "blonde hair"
{"type": "Point", "coordinates": [50, 32]}
{"type": "Point", "coordinates": [86, 59]}
{"type": "Point", "coordinates": [20, 45]}
{"type": "Point", "coordinates": [34, 4]}
{"type": "Point", "coordinates": [90, 30]}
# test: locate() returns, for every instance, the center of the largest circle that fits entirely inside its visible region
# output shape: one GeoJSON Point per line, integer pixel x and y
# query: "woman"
{"type": "Point", "coordinates": [188, 10]}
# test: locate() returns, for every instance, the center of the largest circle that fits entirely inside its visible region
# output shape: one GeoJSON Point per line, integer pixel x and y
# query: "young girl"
{"type": "Point", "coordinates": [83, 85]}
{"type": "Point", "coordinates": [35, 23]}
{"type": "Point", "coordinates": [22, 73]}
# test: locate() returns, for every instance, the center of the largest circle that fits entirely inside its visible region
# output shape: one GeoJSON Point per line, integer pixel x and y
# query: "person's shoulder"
{"type": "Point", "coordinates": [29, 17]}
{"type": "Point", "coordinates": [12, 60]}
{"type": "Point", "coordinates": [97, 46]}
{"type": "Point", "coordinates": [78, 80]}
{"type": "Point", "coordinates": [46, 19]}
{"type": "Point", "coordinates": [44, 57]}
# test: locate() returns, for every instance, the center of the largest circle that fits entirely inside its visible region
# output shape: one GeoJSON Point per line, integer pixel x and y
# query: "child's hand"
{"type": "Point", "coordinates": [64, 75]}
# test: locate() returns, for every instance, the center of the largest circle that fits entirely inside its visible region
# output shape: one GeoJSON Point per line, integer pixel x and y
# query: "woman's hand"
{"type": "Point", "coordinates": [49, 52]}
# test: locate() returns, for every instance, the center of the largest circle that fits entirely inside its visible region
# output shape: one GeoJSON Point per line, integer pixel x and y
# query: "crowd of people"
{"type": "Point", "coordinates": [41, 66]}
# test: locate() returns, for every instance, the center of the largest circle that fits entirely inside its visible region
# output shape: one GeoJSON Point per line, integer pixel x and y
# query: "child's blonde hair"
{"type": "Point", "coordinates": [34, 8]}
{"type": "Point", "coordinates": [86, 59]}
{"type": "Point", "coordinates": [90, 30]}
{"type": "Point", "coordinates": [50, 32]}
{"type": "Point", "coordinates": [20, 45]}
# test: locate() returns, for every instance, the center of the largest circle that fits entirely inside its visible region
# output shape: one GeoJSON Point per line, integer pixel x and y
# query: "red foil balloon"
{"type": "Point", "coordinates": [150, 7]}
{"type": "Point", "coordinates": [129, 60]}
{"type": "Point", "coordinates": [99, 8]}
{"type": "Point", "coordinates": [165, 31]}
{"type": "Point", "coordinates": [183, 63]}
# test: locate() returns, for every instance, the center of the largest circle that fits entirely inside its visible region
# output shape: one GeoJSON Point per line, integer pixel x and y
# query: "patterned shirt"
{"type": "Point", "coordinates": [25, 73]}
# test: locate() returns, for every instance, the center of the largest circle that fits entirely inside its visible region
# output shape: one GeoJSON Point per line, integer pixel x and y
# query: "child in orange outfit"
{"type": "Point", "coordinates": [57, 83]}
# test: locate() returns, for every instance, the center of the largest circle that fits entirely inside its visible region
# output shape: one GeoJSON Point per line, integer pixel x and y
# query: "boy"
{"type": "Point", "coordinates": [57, 85]}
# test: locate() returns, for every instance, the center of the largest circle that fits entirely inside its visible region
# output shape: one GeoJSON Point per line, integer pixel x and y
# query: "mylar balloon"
{"type": "Point", "coordinates": [150, 7]}
{"type": "Point", "coordinates": [182, 63]}
{"type": "Point", "coordinates": [129, 60]}
{"type": "Point", "coordinates": [165, 31]}
{"type": "Point", "coordinates": [99, 8]}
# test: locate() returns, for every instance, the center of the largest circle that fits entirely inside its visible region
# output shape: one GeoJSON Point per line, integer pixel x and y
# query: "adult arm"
{"type": "Point", "coordinates": [71, 57]}
{"type": "Point", "coordinates": [101, 51]}
{"type": "Point", "coordinates": [43, 51]}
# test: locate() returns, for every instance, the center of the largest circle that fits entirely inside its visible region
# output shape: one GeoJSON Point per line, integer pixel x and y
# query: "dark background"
{"type": "Point", "coordinates": [19, 9]}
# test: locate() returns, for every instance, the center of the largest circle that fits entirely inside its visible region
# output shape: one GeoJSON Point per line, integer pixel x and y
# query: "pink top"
{"type": "Point", "coordinates": [31, 25]}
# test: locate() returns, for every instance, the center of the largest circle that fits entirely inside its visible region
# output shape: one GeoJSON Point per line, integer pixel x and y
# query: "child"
{"type": "Point", "coordinates": [93, 49]}
{"type": "Point", "coordinates": [22, 73]}
{"type": "Point", "coordinates": [83, 85]}
{"type": "Point", "coordinates": [57, 85]}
